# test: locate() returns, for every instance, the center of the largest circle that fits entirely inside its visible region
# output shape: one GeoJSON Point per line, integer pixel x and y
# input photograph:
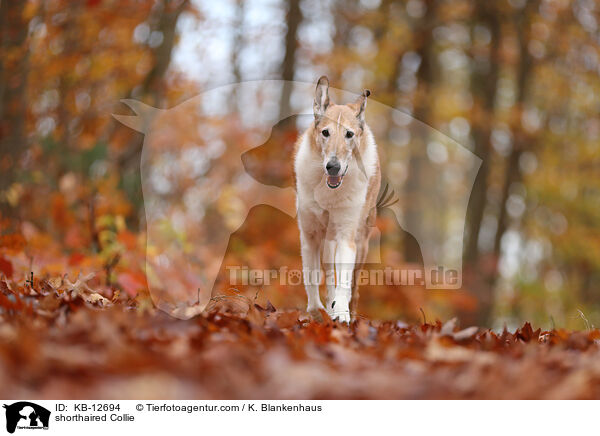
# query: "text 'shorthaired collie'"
{"type": "Point", "coordinates": [337, 181]}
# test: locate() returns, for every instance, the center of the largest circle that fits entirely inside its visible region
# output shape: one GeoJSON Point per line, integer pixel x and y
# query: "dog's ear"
{"type": "Point", "coordinates": [360, 105]}
{"type": "Point", "coordinates": [321, 97]}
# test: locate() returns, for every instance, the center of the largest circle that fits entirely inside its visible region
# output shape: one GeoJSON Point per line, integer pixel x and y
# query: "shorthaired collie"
{"type": "Point", "coordinates": [337, 177]}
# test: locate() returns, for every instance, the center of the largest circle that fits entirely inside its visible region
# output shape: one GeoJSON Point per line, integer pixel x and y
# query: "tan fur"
{"type": "Point", "coordinates": [336, 222]}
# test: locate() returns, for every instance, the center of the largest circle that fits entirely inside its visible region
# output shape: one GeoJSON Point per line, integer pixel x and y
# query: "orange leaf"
{"type": "Point", "coordinates": [6, 267]}
{"type": "Point", "coordinates": [132, 283]}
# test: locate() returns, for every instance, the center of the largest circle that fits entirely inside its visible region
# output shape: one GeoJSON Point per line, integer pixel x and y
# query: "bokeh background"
{"type": "Point", "coordinates": [513, 81]}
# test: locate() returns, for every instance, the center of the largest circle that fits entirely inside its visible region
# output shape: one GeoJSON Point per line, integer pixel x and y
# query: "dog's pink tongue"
{"type": "Point", "coordinates": [334, 180]}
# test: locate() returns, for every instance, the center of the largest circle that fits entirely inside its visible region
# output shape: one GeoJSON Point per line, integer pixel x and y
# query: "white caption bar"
{"type": "Point", "coordinates": [22, 417]}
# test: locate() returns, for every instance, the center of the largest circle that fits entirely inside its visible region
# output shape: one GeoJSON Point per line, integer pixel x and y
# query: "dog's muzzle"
{"type": "Point", "coordinates": [335, 181]}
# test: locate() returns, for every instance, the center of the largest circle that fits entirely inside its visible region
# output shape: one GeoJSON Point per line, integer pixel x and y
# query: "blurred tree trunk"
{"type": "Point", "coordinates": [390, 13]}
{"type": "Point", "coordinates": [13, 102]}
{"type": "Point", "coordinates": [484, 82]}
{"type": "Point", "coordinates": [425, 79]}
{"type": "Point", "coordinates": [293, 20]}
{"type": "Point", "coordinates": [480, 281]}
{"type": "Point", "coordinates": [512, 173]}
{"type": "Point", "coordinates": [150, 90]}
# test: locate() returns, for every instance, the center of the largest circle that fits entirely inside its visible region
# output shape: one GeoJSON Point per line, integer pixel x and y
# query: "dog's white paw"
{"type": "Point", "coordinates": [339, 309]}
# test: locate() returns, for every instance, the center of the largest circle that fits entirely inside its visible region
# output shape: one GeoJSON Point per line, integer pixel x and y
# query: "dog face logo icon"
{"type": "Point", "coordinates": [26, 415]}
{"type": "Point", "coordinates": [206, 163]}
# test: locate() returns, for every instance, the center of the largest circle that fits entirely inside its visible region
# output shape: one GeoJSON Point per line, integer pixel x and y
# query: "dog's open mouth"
{"type": "Point", "coordinates": [334, 181]}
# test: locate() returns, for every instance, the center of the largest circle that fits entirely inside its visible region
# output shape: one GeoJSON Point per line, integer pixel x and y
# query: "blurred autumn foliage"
{"type": "Point", "coordinates": [513, 81]}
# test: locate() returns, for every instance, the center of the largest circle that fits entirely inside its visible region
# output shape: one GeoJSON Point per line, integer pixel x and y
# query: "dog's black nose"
{"type": "Point", "coordinates": [333, 167]}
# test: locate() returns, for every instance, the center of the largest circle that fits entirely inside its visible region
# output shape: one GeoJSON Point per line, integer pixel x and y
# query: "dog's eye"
{"type": "Point", "coordinates": [349, 134]}
{"type": "Point", "coordinates": [325, 133]}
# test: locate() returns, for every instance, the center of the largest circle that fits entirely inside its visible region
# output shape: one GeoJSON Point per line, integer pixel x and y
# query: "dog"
{"type": "Point", "coordinates": [337, 180]}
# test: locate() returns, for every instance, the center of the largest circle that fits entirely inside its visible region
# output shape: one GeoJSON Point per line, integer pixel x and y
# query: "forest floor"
{"type": "Point", "coordinates": [62, 340]}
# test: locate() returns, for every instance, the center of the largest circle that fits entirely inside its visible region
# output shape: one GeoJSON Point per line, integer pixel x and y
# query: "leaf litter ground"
{"type": "Point", "coordinates": [62, 340]}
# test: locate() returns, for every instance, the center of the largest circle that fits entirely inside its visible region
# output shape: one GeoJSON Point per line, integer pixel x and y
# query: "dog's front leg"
{"type": "Point", "coordinates": [345, 256]}
{"type": "Point", "coordinates": [311, 269]}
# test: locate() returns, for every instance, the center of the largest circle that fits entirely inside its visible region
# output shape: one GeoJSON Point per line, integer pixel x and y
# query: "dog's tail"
{"type": "Point", "coordinates": [386, 198]}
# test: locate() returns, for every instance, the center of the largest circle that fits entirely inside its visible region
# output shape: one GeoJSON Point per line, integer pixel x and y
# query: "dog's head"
{"type": "Point", "coordinates": [338, 131]}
